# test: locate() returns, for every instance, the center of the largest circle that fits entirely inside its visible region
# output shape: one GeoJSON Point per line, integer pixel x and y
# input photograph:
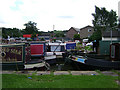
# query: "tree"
{"type": "Point", "coordinates": [103, 20]}
{"type": "Point", "coordinates": [59, 33]}
{"type": "Point", "coordinates": [34, 35]}
{"type": "Point", "coordinates": [16, 32]}
{"type": "Point", "coordinates": [42, 39]}
{"type": "Point", "coordinates": [30, 28]}
{"type": "Point", "coordinates": [76, 36]}
{"type": "Point", "coordinates": [96, 36]}
{"type": "Point", "coordinates": [12, 32]}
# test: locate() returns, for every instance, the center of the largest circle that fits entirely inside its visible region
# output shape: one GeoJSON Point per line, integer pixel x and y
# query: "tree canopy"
{"type": "Point", "coordinates": [30, 28]}
{"type": "Point", "coordinates": [76, 36]}
{"type": "Point", "coordinates": [12, 32]}
{"type": "Point", "coordinates": [97, 35]}
{"type": "Point", "coordinates": [103, 20]}
{"type": "Point", "coordinates": [59, 33]}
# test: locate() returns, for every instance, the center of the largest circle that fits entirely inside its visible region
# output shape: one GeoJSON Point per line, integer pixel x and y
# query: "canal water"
{"type": "Point", "coordinates": [64, 65]}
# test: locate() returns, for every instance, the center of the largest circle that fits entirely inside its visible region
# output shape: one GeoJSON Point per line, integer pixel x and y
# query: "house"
{"type": "Point", "coordinates": [72, 31]}
{"type": "Point", "coordinates": [86, 31]}
{"type": "Point", "coordinates": [107, 39]}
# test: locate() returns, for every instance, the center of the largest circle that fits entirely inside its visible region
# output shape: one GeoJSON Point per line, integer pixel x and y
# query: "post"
{"type": "Point", "coordinates": [111, 36]}
{"type": "Point", "coordinates": [53, 30]}
{"type": "Point", "coordinates": [53, 27]}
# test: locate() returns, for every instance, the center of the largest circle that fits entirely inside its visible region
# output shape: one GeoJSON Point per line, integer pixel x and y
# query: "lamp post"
{"type": "Point", "coordinates": [53, 30]}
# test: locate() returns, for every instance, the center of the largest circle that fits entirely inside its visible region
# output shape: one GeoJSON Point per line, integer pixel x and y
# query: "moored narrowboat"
{"type": "Point", "coordinates": [12, 56]}
{"type": "Point", "coordinates": [88, 63]}
{"type": "Point", "coordinates": [54, 52]}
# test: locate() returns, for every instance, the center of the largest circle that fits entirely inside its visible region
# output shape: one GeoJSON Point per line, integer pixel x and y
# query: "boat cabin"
{"type": "Point", "coordinates": [55, 48]}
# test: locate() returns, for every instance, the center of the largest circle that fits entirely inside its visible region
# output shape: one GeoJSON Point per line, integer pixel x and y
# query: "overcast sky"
{"type": "Point", "coordinates": [46, 13]}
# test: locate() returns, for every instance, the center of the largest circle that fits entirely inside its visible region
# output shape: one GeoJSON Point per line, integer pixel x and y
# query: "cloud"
{"type": "Point", "coordinates": [2, 22]}
{"type": "Point", "coordinates": [16, 5]}
{"type": "Point", "coordinates": [66, 17]}
{"type": "Point", "coordinates": [46, 13]}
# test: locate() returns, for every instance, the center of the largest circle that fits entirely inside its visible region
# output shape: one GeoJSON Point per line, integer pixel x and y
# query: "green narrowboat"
{"type": "Point", "coordinates": [12, 56]}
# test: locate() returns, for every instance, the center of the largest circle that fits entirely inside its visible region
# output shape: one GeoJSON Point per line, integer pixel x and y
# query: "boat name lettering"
{"type": "Point", "coordinates": [15, 51]}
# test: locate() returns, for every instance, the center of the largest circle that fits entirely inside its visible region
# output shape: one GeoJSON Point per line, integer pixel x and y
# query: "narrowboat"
{"type": "Point", "coordinates": [12, 56]}
{"type": "Point", "coordinates": [20, 56]}
{"type": "Point", "coordinates": [86, 63]}
{"type": "Point", "coordinates": [90, 61]}
{"type": "Point", "coordinates": [54, 52]}
{"type": "Point", "coordinates": [37, 53]}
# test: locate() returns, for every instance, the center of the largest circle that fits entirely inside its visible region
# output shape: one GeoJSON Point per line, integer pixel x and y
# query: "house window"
{"type": "Point", "coordinates": [89, 30]}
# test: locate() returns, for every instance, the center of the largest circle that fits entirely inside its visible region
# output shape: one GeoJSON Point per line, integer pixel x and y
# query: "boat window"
{"type": "Point", "coordinates": [112, 51]}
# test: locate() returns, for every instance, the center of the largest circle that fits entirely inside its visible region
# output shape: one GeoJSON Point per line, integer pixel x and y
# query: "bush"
{"type": "Point", "coordinates": [42, 39]}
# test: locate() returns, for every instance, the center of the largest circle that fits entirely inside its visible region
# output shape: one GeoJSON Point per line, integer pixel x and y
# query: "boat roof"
{"type": "Point", "coordinates": [12, 44]}
{"type": "Point", "coordinates": [55, 44]}
{"type": "Point", "coordinates": [70, 42]}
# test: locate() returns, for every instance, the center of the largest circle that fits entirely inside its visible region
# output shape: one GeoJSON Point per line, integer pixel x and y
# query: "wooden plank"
{"type": "Point", "coordinates": [29, 66]}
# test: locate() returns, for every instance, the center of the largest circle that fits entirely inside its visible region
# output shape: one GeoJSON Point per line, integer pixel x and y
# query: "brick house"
{"type": "Point", "coordinates": [86, 31]}
{"type": "Point", "coordinates": [71, 32]}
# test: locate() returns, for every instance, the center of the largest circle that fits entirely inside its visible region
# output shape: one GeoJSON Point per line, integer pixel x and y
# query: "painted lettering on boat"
{"type": "Point", "coordinates": [14, 51]}
{"type": "Point", "coordinates": [12, 54]}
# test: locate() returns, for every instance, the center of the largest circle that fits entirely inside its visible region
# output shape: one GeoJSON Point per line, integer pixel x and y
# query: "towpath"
{"type": "Point", "coordinates": [30, 72]}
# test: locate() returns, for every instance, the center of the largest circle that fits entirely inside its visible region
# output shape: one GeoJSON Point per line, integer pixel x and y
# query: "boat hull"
{"type": "Point", "coordinates": [95, 64]}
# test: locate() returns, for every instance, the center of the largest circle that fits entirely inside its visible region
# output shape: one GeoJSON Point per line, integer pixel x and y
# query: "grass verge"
{"type": "Point", "coordinates": [58, 81]}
